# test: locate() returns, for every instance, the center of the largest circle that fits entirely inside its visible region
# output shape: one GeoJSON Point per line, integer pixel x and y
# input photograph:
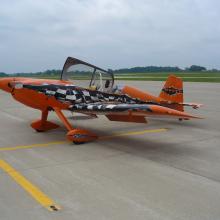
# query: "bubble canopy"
{"type": "Point", "coordinates": [80, 72]}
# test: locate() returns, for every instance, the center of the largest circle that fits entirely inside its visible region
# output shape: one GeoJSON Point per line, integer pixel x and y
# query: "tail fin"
{"type": "Point", "coordinates": [173, 92]}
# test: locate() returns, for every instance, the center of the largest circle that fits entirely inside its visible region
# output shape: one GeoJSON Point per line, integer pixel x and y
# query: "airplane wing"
{"type": "Point", "coordinates": [129, 112]}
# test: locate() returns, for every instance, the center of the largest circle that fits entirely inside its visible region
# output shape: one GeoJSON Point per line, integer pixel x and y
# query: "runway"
{"type": "Point", "coordinates": [165, 169]}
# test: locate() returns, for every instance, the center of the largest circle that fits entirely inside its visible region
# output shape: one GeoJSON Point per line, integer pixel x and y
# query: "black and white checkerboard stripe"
{"type": "Point", "coordinates": [99, 107]}
{"type": "Point", "coordinates": [74, 94]}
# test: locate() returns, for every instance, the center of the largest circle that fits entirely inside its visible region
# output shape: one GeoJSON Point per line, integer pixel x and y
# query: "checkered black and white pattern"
{"type": "Point", "coordinates": [85, 100]}
{"type": "Point", "coordinates": [74, 95]}
{"type": "Point", "coordinates": [103, 108]}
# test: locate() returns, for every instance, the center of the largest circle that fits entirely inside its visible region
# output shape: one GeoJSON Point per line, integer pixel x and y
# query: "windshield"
{"type": "Point", "coordinates": [86, 75]}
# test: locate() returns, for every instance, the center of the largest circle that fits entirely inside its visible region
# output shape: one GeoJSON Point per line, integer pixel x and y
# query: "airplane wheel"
{"type": "Point", "coordinates": [37, 130]}
{"type": "Point", "coordinates": [80, 136]}
{"type": "Point", "coordinates": [180, 119]}
{"type": "Point", "coordinates": [78, 143]}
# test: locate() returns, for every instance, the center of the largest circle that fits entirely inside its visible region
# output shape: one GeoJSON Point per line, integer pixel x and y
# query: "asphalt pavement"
{"type": "Point", "coordinates": [165, 169]}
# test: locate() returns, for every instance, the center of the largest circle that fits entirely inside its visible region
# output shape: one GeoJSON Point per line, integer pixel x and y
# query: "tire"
{"type": "Point", "coordinates": [78, 143]}
{"type": "Point", "coordinates": [38, 130]}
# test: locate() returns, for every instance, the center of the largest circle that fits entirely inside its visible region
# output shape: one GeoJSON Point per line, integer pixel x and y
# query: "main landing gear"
{"type": "Point", "coordinates": [76, 135]}
{"type": "Point", "coordinates": [42, 124]}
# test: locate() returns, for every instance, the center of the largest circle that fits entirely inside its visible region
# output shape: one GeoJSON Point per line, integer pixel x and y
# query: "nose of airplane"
{"type": "Point", "coordinates": [5, 84]}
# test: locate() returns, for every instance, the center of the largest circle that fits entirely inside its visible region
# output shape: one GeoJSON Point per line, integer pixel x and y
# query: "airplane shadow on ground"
{"type": "Point", "coordinates": [145, 148]}
{"type": "Point", "coordinates": [194, 123]}
{"type": "Point", "coordinates": [162, 150]}
{"type": "Point", "coordinates": [153, 149]}
{"type": "Point", "coordinates": [141, 146]}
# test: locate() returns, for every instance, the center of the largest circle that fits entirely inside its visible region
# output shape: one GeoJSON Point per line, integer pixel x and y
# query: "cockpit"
{"type": "Point", "coordinates": [87, 75]}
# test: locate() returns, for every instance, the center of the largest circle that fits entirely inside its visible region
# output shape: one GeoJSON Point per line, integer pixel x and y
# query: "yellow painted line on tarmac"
{"type": "Point", "coordinates": [32, 146]}
{"type": "Point", "coordinates": [121, 134]}
{"type": "Point", "coordinates": [134, 133]}
{"type": "Point", "coordinates": [35, 192]}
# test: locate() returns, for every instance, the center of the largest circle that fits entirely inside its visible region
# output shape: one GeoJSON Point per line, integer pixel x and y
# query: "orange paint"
{"type": "Point", "coordinates": [142, 104]}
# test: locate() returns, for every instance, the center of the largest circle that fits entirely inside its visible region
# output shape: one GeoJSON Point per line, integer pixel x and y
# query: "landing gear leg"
{"type": "Point", "coordinates": [42, 124]}
{"type": "Point", "coordinates": [77, 136]}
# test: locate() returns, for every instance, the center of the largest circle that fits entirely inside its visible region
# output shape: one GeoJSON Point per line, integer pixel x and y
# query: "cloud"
{"type": "Point", "coordinates": [39, 35]}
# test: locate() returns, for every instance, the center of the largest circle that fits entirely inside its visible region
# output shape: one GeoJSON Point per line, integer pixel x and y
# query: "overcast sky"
{"type": "Point", "coordinates": [39, 35]}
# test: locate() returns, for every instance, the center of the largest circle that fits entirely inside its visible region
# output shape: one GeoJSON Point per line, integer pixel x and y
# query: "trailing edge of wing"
{"type": "Point", "coordinates": [130, 109]}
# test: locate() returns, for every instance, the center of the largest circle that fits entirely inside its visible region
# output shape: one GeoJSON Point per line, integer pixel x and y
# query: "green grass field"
{"type": "Point", "coordinates": [161, 76]}
{"type": "Point", "coordinates": [186, 76]}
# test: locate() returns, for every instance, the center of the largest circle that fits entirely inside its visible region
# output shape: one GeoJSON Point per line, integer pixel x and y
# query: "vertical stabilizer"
{"type": "Point", "coordinates": [172, 92]}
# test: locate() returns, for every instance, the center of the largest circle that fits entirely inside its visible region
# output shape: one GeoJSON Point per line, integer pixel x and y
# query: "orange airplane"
{"type": "Point", "coordinates": [98, 96]}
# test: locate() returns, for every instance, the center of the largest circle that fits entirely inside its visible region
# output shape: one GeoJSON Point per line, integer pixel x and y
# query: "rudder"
{"type": "Point", "coordinates": [173, 92]}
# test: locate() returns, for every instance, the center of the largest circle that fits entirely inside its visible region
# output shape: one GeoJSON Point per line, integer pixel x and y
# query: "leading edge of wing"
{"type": "Point", "coordinates": [147, 110]}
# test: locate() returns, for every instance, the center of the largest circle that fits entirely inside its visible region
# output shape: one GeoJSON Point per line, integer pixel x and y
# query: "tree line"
{"type": "Point", "coordinates": [151, 69]}
{"type": "Point", "coordinates": [147, 69]}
